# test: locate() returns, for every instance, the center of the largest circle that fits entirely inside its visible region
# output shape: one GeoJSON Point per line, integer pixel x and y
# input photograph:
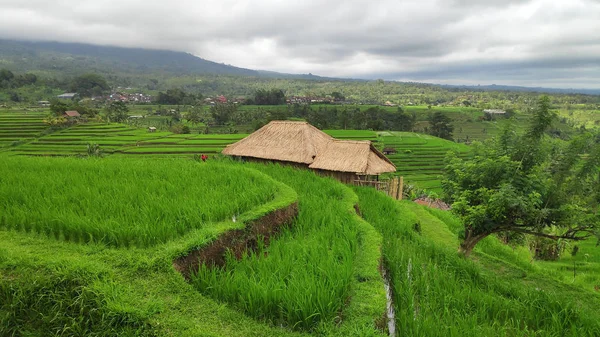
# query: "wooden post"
{"type": "Point", "coordinates": [401, 188]}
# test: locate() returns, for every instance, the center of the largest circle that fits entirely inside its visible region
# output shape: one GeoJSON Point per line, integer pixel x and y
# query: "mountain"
{"type": "Point", "coordinates": [77, 57]}
{"type": "Point", "coordinates": [68, 59]}
{"type": "Point", "coordinates": [495, 87]}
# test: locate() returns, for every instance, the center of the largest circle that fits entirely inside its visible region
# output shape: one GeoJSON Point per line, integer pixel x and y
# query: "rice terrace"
{"type": "Point", "coordinates": [154, 193]}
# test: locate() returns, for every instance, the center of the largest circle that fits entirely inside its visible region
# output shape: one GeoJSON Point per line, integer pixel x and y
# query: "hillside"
{"type": "Point", "coordinates": [318, 277]}
{"type": "Point", "coordinates": [70, 58]}
{"type": "Point", "coordinates": [66, 59]}
{"type": "Point", "coordinates": [61, 59]}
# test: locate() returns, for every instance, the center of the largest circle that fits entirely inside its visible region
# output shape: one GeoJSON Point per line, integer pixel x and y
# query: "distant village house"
{"type": "Point", "coordinates": [72, 114]}
{"type": "Point", "coordinates": [67, 95]}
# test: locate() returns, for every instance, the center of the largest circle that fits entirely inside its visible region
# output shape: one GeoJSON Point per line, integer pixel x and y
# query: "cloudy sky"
{"type": "Point", "coordinates": [551, 43]}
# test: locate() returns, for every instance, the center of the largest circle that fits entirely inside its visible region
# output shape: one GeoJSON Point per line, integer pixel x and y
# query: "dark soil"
{"type": "Point", "coordinates": [237, 241]}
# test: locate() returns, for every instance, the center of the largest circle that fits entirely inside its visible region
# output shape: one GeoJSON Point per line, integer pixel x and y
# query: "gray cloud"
{"type": "Point", "coordinates": [522, 42]}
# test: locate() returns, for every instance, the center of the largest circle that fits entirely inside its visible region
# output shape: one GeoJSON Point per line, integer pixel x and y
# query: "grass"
{"type": "Point", "coordinates": [122, 203]}
{"type": "Point", "coordinates": [331, 263]}
{"type": "Point", "coordinates": [305, 277]}
{"type": "Point", "coordinates": [438, 293]}
{"type": "Point", "coordinates": [57, 288]}
{"type": "Point", "coordinates": [420, 158]}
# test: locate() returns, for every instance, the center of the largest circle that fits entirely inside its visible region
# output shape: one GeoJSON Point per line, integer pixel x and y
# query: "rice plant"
{"type": "Point", "coordinates": [304, 276]}
{"type": "Point", "coordinates": [123, 203]}
{"type": "Point", "coordinates": [438, 293]}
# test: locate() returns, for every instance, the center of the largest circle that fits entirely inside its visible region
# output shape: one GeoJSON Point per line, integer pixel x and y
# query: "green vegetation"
{"type": "Point", "coordinates": [307, 275]}
{"type": "Point", "coordinates": [438, 293]}
{"type": "Point", "coordinates": [421, 158]}
{"type": "Point", "coordinates": [136, 292]}
{"type": "Point", "coordinates": [124, 204]}
{"type": "Point", "coordinates": [526, 184]}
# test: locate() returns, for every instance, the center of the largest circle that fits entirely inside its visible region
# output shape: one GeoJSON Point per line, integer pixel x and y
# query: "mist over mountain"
{"type": "Point", "coordinates": [67, 59]}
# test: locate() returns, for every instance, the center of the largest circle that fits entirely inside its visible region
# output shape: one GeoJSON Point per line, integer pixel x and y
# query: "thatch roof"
{"type": "Point", "coordinates": [297, 142]}
{"type": "Point", "coordinates": [300, 142]}
{"type": "Point", "coordinates": [352, 156]}
{"type": "Point", "coordinates": [72, 113]}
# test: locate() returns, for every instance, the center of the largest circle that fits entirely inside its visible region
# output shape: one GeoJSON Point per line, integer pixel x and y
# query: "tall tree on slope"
{"type": "Point", "coordinates": [526, 184]}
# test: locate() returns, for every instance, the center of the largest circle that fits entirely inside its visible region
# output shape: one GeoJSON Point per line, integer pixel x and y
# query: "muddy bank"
{"type": "Point", "coordinates": [237, 241]}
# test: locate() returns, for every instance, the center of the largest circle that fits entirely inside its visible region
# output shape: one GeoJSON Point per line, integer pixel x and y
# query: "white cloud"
{"type": "Point", "coordinates": [517, 42]}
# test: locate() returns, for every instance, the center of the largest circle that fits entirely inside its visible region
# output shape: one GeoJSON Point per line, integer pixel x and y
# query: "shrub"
{"type": "Point", "coordinates": [180, 129]}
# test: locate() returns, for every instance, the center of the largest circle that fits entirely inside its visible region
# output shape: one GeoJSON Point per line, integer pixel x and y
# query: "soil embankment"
{"type": "Point", "coordinates": [237, 241]}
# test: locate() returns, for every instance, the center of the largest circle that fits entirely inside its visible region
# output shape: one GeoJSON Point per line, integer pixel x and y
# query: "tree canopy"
{"type": "Point", "coordinates": [440, 125]}
{"type": "Point", "coordinates": [269, 97]}
{"type": "Point", "coordinates": [526, 183]}
{"type": "Point", "coordinates": [87, 85]}
{"type": "Point", "coordinates": [117, 111]}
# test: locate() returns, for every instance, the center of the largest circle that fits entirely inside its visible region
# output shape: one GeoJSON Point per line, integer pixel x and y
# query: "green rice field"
{"type": "Point", "coordinates": [420, 158]}
{"type": "Point", "coordinates": [20, 126]}
{"type": "Point", "coordinates": [143, 203]}
{"type": "Point", "coordinates": [87, 248]}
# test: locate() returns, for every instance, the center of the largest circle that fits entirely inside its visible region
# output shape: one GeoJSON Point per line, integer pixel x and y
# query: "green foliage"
{"type": "Point", "coordinates": [222, 112]}
{"type": "Point", "coordinates": [90, 84]}
{"type": "Point", "coordinates": [41, 302]}
{"type": "Point", "coordinates": [123, 206]}
{"type": "Point", "coordinates": [177, 96]}
{"type": "Point", "coordinates": [180, 129]}
{"type": "Point", "coordinates": [440, 126]}
{"type": "Point", "coordinates": [93, 150]}
{"type": "Point", "coordinates": [338, 96]}
{"type": "Point", "coordinates": [194, 116]}
{"type": "Point", "coordinates": [117, 111]}
{"type": "Point", "coordinates": [58, 108]}
{"type": "Point", "coordinates": [438, 293]}
{"type": "Point", "coordinates": [523, 184]}
{"type": "Point", "coordinates": [269, 97]}
{"type": "Point", "coordinates": [304, 276]}
{"type": "Point", "coordinates": [372, 118]}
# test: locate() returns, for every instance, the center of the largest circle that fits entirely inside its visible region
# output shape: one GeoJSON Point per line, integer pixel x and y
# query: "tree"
{"type": "Point", "coordinates": [194, 116]}
{"type": "Point", "coordinates": [89, 85]}
{"type": "Point", "coordinates": [117, 111]}
{"type": "Point", "coordinates": [529, 184]}
{"type": "Point", "coordinates": [58, 108]}
{"type": "Point", "coordinates": [177, 96]}
{"type": "Point", "coordinates": [222, 112]}
{"type": "Point", "coordinates": [440, 126]}
{"type": "Point", "coordinates": [269, 97]}
{"type": "Point", "coordinates": [6, 75]}
{"type": "Point", "coordinates": [337, 96]}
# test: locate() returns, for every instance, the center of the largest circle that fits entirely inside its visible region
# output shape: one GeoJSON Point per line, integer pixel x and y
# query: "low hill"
{"type": "Point", "coordinates": [73, 58]}
{"type": "Point", "coordinates": [76, 57]}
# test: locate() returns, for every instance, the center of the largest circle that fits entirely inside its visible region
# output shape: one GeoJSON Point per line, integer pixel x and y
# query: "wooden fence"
{"type": "Point", "coordinates": [392, 187]}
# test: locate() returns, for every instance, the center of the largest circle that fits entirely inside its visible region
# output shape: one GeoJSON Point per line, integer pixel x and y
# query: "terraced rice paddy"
{"type": "Point", "coordinates": [420, 158]}
{"type": "Point", "coordinates": [142, 203]}
{"type": "Point", "coordinates": [18, 126]}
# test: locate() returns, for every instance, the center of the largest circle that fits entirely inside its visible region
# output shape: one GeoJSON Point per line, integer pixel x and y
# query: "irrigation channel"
{"type": "Point", "coordinates": [390, 313]}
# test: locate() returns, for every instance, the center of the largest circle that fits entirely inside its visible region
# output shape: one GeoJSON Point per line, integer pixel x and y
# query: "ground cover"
{"type": "Point", "coordinates": [498, 293]}
{"type": "Point", "coordinates": [139, 205]}
{"type": "Point", "coordinates": [420, 158]}
{"type": "Point", "coordinates": [59, 288]}
{"type": "Point", "coordinates": [305, 277]}
{"type": "Point", "coordinates": [100, 289]}
{"type": "Point", "coordinates": [19, 126]}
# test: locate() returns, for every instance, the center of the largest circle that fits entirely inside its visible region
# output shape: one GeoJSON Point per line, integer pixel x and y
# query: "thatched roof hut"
{"type": "Point", "coordinates": [357, 156]}
{"type": "Point", "coordinates": [303, 144]}
{"type": "Point", "coordinates": [296, 142]}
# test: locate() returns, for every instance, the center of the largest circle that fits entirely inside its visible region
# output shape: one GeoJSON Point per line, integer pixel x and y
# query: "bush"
{"type": "Point", "coordinates": [546, 249]}
{"type": "Point", "coordinates": [180, 129]}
